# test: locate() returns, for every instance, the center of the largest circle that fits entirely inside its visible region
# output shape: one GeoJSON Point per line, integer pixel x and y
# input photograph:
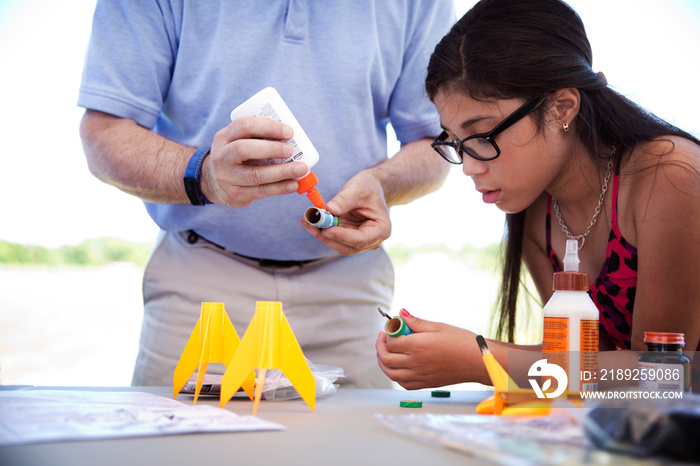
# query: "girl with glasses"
{"type": "Point", "coordinates": [545, 139]}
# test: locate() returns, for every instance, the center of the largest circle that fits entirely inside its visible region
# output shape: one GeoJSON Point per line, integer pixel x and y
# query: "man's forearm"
{"type": "Point", "coordinates": [123, 154]}
{"type": "Point", "coordinates": [413, 172]}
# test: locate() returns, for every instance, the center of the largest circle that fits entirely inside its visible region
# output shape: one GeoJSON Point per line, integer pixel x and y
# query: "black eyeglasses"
{"type": "Point", "coordinates": [483, 146]}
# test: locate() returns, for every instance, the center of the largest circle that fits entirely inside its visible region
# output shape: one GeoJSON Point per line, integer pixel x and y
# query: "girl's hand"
{"type": "Point", "coordinates": [434, 355]}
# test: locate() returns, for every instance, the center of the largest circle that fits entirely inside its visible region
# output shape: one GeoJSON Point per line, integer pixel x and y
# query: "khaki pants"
{"type": "Point", "coordinates": [331, 305]}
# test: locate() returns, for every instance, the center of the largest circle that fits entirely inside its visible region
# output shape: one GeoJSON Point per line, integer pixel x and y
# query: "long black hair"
{"type": "Point", "coordinates": [507, 49]}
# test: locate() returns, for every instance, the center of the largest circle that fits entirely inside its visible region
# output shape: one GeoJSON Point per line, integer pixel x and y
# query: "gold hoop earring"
{"type": "Point", "coordinates": [566, 128]}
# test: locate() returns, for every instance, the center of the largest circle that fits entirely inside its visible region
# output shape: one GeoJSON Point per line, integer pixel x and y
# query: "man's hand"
{"type": "Point", "coordinates": [137, 161]}
{"type": "Point", "coordinates": [363, 214]}
{"type": "Point", "coordinates": [235, 174]}
{"type": "Point", "coordinates": [363, 203]}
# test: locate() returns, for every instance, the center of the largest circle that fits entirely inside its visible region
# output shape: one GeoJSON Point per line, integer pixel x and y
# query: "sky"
{"type": "Point", "coordinates": [647, 52]}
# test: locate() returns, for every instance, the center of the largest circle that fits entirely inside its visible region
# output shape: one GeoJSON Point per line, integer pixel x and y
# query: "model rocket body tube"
{"type": "Point", "coordinates": [397, 326]}
{"type": "Point", "coordinates": [321, 218]}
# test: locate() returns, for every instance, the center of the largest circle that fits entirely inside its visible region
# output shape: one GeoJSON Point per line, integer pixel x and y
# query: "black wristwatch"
{"type": "Point", "coordinates": [193, 177]}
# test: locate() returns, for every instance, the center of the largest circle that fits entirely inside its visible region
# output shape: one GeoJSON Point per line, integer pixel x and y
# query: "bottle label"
{"type": "Point", "coordinates": [575, 361]}
{"type": "Point", "coordinates": [589, 353]}
{"type": "Point", "coordinates": [555, 343]}
{"type": "Point", "coordinates": [268, 111]}
{"type": "Point", "coordinates": [656, 376]}
{"type": "Point", "coordinates": [555, 334]}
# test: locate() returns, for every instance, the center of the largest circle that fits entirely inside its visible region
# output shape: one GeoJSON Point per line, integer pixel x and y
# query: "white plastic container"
{"type": "Point", "coordinates": [269, 104]}
{"type": "Point", "coordinates": [571, 334]}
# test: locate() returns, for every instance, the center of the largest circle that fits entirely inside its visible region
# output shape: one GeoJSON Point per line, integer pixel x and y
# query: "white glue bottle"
{"type": "Point", "coordinates": [570, 337]}
{"type": "Point", "coordinates": [267, 103]}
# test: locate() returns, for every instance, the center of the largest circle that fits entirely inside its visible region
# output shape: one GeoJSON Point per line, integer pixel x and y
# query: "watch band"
{"type": "Point", "coordinates": [193, 177]}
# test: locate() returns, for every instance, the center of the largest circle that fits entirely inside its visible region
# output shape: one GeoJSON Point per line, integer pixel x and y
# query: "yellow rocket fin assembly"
{"type": "Point", "coordinates": [269, 343]}
{"type": "Point", "coordinates": [213, 340]}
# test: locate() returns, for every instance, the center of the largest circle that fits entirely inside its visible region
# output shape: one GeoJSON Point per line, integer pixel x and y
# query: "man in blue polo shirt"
{"type": "Point", "coordinates": [160, 80]}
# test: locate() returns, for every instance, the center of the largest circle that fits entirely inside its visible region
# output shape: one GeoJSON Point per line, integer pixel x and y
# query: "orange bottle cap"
{"type": "Point", "coordinates": [664, 338]}
{"type": "Point", "coordinates": [307, 185]}
{"type": "Point", "coordinates": [571, 281]}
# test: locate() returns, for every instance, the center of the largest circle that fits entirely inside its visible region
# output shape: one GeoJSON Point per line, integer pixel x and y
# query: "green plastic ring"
{"type": "Point", "coordinates": [411, 404]}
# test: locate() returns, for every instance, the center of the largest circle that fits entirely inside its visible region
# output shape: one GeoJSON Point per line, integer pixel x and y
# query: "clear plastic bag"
{"type": "Point", "coordinates": [555, 439]}
{"type": "Point", "coordinates": [277, 385]}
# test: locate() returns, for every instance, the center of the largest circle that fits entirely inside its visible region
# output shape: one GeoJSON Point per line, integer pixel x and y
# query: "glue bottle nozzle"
{"type": "Point", "coordinates": [307, 185]}
{"type": "Point", "coordinates": [571, 260]}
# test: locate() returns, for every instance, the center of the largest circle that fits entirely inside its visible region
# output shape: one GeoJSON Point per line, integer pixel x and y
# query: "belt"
{"type": "Point", "coordinates": [193, 237]}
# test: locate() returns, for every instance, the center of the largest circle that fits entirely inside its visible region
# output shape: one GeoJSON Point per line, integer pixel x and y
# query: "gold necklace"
{"type": "Point", "coordinates": [601, 200]}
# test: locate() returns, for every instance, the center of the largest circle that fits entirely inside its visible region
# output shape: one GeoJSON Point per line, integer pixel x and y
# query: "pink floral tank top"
{"type": "Point", "coordinates": [614, 290]}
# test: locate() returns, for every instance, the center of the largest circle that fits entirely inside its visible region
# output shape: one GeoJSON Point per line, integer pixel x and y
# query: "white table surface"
{"type": "Point", "coordinates": [342, 431]}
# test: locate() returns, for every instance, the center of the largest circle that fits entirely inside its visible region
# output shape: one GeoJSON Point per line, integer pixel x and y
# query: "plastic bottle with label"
{"type": "Point", "coordinates": [663, 367]}
{"type": "Point", "coordinates": [570, 336]}
{"type": "Point", "coordinates": [267, 103]}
